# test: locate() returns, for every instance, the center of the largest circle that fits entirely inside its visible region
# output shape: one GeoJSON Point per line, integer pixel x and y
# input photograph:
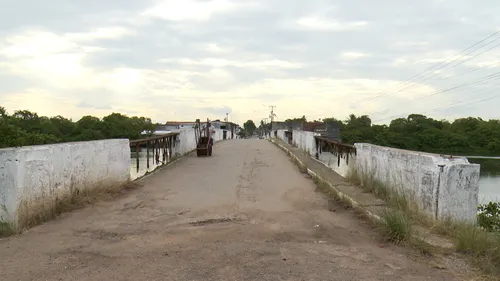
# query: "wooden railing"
{"type": "Point", "coordinates": [161, 147]}
{"type": "Point", "coordinates": [341, 150]}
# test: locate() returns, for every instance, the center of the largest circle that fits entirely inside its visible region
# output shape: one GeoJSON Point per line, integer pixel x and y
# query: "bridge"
{"type": "Point", "coordinates": [246, 213]}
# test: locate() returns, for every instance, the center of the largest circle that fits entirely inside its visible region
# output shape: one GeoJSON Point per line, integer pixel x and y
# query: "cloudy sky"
{"type": "Point", "coordinates": [181, 60]}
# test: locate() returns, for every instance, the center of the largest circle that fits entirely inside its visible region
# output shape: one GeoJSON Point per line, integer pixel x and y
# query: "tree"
{"type": "Point", "coordinates": [249, 127]}
{"type": "Point", "coordinates": [3, 112]}
{"type": "Point", "coordinates": [28, 128]}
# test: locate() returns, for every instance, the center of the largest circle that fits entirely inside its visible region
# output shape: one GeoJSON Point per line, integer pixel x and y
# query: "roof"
{"type": "Point", "coordinates": [231, 123]}
{"type": "Point", "coordinates": [310, 126]}
{"type": "Point", "coordinates": [179, 122]}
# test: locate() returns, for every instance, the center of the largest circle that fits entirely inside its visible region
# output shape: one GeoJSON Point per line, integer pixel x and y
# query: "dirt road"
{"type": "Point", "coordinates": [246, 213]}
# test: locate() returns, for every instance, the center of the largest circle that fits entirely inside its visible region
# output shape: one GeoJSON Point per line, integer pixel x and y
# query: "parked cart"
{"type": "Point", "coordinates": [204, 144]}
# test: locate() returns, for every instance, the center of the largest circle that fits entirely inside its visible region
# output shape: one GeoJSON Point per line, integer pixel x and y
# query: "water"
{"type": "Point", "coordinates": [134, 173]}
{"type": "Point", "coordinates": [489, 181]}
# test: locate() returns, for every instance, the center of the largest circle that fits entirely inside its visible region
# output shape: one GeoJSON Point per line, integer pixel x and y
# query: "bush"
{"type": "Point", "coordinates": [489, 216]}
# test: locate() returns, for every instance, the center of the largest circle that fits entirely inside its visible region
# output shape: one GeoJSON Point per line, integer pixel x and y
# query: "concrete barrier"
{"type": "Point", "coordinates": [35, 177]}
{"type": "Point", "coordinates": [341, 163]}
{"type": "Point", "coordinates": [444, 187]}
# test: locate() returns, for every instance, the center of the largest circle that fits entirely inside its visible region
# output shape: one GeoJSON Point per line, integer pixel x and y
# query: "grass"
{"type": "Point", "coordinates": [30, 215]}
{"type": "Point", "coordinates": [397, 221]}
{"type": "Point", "coordinates": [6, 229]}
{"type": "Point", "coordinates": [397, 225]}
{"type": "Point", "coordinates": [482, 247]}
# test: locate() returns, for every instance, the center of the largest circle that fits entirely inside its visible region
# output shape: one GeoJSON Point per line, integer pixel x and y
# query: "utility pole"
{"type": "Point", "coordinates": [272, 115]}
{"type": "Point", "coordinates": [266, 133]}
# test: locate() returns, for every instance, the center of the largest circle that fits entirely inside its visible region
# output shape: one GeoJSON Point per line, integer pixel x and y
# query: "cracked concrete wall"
{"type": "Point", "coordinates": [443, 187]}
{"type": "Point", "coordinates": [38, 175]}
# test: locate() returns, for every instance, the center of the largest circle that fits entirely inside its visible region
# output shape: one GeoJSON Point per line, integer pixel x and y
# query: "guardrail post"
{"type": "Point", "coordinates": [137, 149]}
{"type": "Point", "coordinates": [147, 154]}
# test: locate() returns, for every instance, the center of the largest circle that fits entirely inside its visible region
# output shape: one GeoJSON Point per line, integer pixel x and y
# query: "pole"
{"type": "Point", "coordinates": [272, 115]}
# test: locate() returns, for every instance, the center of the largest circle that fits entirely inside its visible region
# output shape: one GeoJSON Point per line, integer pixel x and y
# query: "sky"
{"type": "Point", "coordinates": [182, 60]}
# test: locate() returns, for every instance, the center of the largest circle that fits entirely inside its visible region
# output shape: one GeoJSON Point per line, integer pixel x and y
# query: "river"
{"type": "Point", "coordinates": [489, 181]}
{"type": "Point", "coordinates": [134, 173]}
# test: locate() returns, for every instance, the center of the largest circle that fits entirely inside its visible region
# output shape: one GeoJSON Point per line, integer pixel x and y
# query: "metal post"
{"type": "Point", "coordinates": [147, 154]}
{"type": "Point", "coordinates": [137, 148]}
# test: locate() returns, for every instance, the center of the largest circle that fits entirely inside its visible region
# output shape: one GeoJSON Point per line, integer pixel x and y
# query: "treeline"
{"type": "Point", "coordinates": [24, 127]}
{"type": "Point", "coordinates": [464, 136]}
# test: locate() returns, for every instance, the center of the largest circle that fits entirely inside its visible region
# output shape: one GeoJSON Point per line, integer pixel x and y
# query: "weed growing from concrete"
{"type": "Point", "coordinates": [6, 229]}
{"type": "Point", "coordinates": [30, 215]}
{"type": "Point", "coordinates": [482, 246]}
{"type": "Point", "coordinates": [397, 225]}
{"type": "Point", "coordinates": [403, 212]}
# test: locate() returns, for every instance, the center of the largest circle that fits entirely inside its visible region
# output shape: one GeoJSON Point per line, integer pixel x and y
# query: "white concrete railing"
{"type": "Point", "coordinates": [340, 163]}
{"type": "Point", "coordinates": [443, 187]}
{"type": "Point", "coordinates": [32, 178]}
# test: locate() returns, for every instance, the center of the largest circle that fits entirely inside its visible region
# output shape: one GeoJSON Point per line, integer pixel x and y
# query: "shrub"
{"type": "Point", "coordinates": [489, 216]}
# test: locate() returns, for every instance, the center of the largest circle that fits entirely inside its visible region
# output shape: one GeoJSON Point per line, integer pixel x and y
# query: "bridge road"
{"type": "Point", "coordinates": [246, 213]}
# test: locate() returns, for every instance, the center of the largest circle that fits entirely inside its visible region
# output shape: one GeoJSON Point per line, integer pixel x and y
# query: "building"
{"type": "Point", "coordinates": [177, 125]}
{"type": "Point", "coordinates": [329, 130]}
{"type": "Point", "coordinates": [229, 129]}
{"type": "Point", "coordinates": [287, 125]}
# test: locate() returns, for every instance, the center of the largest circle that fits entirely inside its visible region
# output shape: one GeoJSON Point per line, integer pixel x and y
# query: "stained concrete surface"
{"type": "Point", "coordinates": [246, 213]}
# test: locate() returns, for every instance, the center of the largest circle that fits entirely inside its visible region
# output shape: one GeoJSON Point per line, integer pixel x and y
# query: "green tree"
{"type": "Point", "coordinates": [249, 127]}
{"type": "Point", "coordinates": [28, 128]}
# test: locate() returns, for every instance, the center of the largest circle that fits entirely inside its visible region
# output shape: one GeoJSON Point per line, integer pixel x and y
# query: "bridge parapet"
{"type": "Point", "coordinates": [35, 179]}
{"type": "Point", "coordinates": [337, 156]}
{"type": "Point", "coordinates": [161, 147]}
{"type": "Point", "coordinates": [444, 187]}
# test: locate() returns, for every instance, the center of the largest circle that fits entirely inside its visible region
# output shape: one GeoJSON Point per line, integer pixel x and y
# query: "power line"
{"type": "Point", "coordinates": [448, 105]}
{"type": "Point", "coordinates": [383, 93]}
{"type": "Point", "coordinates": [486, 78]}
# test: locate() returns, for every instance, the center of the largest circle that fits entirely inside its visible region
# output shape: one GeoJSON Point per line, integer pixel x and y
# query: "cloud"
{"type": "Point", "coordinates": [193, 10]}
{"type": "Point", "coordinates": [321, 24]}
{"type": "Point", "coordinates": [84, 104]}
{"type": "Point", "coordinates": [201, 58]}
{"type": "Point", "coordinates": [352, 55]}
{"type": "Point", "coordinates": [217, 110]}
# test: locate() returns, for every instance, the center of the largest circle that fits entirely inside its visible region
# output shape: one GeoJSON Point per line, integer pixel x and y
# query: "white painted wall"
{"type": "Point", "coordinates": [305, 141]}
{"type": "Point", "coordinates": [443, 187]}
{"type": "Point", "coordinates": [33, 176]}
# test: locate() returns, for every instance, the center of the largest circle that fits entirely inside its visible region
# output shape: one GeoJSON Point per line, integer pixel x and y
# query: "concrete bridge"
{"type": "Point", "coordinates": [246, 213]}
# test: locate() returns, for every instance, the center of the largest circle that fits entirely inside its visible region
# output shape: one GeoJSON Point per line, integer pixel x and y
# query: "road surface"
{"type": "Point", "coordinates": [246, 213]}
